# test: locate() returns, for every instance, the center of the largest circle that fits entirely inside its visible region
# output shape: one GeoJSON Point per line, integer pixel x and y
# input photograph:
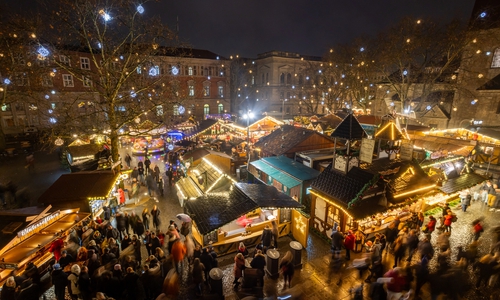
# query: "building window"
{"type": "Point", "coordinates": [191, 89]}
{"type": "Point", "coordinates": [282, 95]}
{"type": "Point", "coordinates": [9, 122]}
{"type": "Point", "coordinates": [84, 63]}
{"type": "Point", "coordinates": [20, 122]}
{"type": "Point", "coordinates": [44, 62]}
{"type": "Point", "coordinates": [19, 106]}
{"type": "Point", "coordinates": [6, 107]}
{"type": "Point", "coordinates": [190, 71]}
{"type": "Point", "coordinates": [159, 110]}
{"type": "Point", "coordinates": [206, 90]}
{"type": "Point", "coordinates": [253, 80]}
{"type": "Point", "coordinates": [221, 91]}
{"type": "Point", "coordinates": [288, 78]}
{"type": "Point", "coordinates": [53, 105]}
{"type": "Point", "coordinates": [64, 60]}
{"type": "Point", "coordinates": [301, 79]}
{"type": "Point", "coordinates": [206, 109]}
{"type": "Point", "coordinates": [263, 82]}
{"type": "Point", "coordinates": [86, 81]}
{"type": "Point", "coordinates": [19, 59]}
{"type": "Point", "coordinates": [282, 78]}
{"type": "Point", "coordinates": [221, 72]}
{"type": "Point", "coordinates": [46, 80]}
{"type": "Point", "coordinates": [68, 80]}
{"type": "Point", "coordinates": [267, 77]}
{"type": "Point", "coordinates": [220, 108]}
{"type": "Point", "coordinates": [194, 70]}
{"type": "Point", "coordinates": [495, 63]}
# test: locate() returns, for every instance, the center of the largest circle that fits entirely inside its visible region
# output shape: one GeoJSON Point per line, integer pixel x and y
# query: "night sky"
{"type": "Point", "coordinates": [308, 27]}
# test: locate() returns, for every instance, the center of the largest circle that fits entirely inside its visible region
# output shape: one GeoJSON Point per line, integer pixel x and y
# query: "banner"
{"type": "Point", "coordinates": [406, 150]}
{"type": "Point", "coordinates": [366, 151]}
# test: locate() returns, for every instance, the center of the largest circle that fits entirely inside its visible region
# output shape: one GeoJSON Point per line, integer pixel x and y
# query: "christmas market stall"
{"type": "Point", "coordinates": [201, 179]}
{"type": "Point", "coordinates": [223, 220]}
{"type": "Point", "coordinates": [366, 187]}
{"type": "Point", "coordinates": [27, 235]}
{"type": "Point", "coordinates": [90, 191]}
{"type": "Point", "coordinates": [83, 155]}
{"type": "Point", "coordinates": [285, 174]}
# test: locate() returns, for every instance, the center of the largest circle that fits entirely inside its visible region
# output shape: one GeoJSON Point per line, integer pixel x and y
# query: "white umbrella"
{"type": "Point", "coordinates": [184, 217]}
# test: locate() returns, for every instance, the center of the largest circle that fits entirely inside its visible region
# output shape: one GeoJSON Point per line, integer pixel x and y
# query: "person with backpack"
{"type": "Point", "coordinates": [59, 280]}
{"type": "Point", "coordinates": [74, 290]}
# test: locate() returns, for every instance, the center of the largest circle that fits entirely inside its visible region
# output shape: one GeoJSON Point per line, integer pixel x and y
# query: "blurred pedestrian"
{"type": "Point", "coordinates": [178, 253]}
{"type": "Point", "coordinates": [275, 231]}
{"type": "Point", "coordinates": [287, 269]}
{"type": "Point", "coordinates": [59, 280]}
{"type": "Point", "coordinates": [147, 164]}
{"type": "Point", "coordinates": [128, 159]}
{"type": "Point", "coordinates": [155, 213]}
{"type": "Point", "coordinates": [239, 266]}
{"type": "Point", "coordinates": [197, 275]}
{"type": "Point", "coordinates": [477, 229]}
{"type": "Point", "coordinates": [349, 241]}
{"type": "Point", "coordinates": [145, 218]}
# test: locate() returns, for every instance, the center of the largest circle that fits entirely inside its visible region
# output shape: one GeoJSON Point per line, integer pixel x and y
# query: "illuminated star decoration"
{"type": "Point", "coordinates": [6, 81]}
{"type": "Point", "coordinates": [428, 107]}
{"type": "Point", "coordinates": [140, 9]}
{"type": "Point", "coordinates": [105, 15]}
{"type": "Point", "coordinates": [42, 51]}
{"type": "Point", "coordinates": [483, 14]}
{"type": "Point", "coordinates": [133, 94]}
{"type": "Point", "coordinates": [405, 72]}
{"type": "Point", "coordinates": [153, 71]}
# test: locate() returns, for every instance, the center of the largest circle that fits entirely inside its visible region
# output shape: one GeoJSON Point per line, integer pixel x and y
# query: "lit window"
{"type": "Point", "coordinates": [206, 89]}
{"type": "Point", "coordinates": [84, 63]}
{"type": "Point", "coordinates": [176, 110]}
{"type": "Point", "coordinates": [159, 110]}
{"type": "Point", "coordinates": [68, 80]}
{"type": "Point", "coordinates": [206, 109]}
{"type": "Point", "coordinates": [495, 62]}
{"type": "Point", "coordinates": [220, 108]}
{"type": "Point", "coordinates": [221, 91]}
{"type": "Point", "coordinates": [191, 90]}
{"type": "Point", "coordinates": [46, 80]}
{"type": "Point", "coordinates": [190, 71]}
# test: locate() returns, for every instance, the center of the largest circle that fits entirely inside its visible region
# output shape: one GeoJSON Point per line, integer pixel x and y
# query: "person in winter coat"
{"type": "Point", "coordinates": [477, 229]}
{"type": "Point", "coordinates": [465, 198]}
{"type": "Point", "coordinates": [207, 260]}
{"type": "Point", "coordinates": [126, 242]}
{"type": "Point", "coordinates": [337, 241]}
{"type": "Point", "coordinates": [178, 253]}
{"type": "Point", "coordinates": [145, 218]}
{"type": "Point", "coordinates": [197, 275]}
{"type": "Point", "coordinates": [137, 248]}
{"type": "Point", "coordinates": [239, 266]}
{"type": "Point", "coordinates": [28, 290]}
{"type": "Point", "coordinates": [153, 242]}
{"type": "Point", "coordinates": [134, 290]}
{"type": "Point", "coordinates": [147, 164]}
{"type": "Point", "coordinates": [155, 213]}
{"type": "Point", "coordinates": [56, 248]}
{"type": "Point", "coordinates": [412, 244]}
{"type": "Point", "coordinates": [431, 226]}
{"type": "Point", "coordinates": [84, 284]}
{"type": "Point", "coordinates": [139, 228]}
{"type": "Point", "coordinates": [349, 243]}
{"type": "Point", "coordinates": [243, 249]}
{"type": "Point", "coordinates": [287, 269]}
{"type": "Point", "coordinates": [259, 263]}
{"type": "Point", "coordinates": [447, 222]}
{"type": "Point", "coordinates": [74, 291]}
{"type": "Point", "coordinates": [65, 259]}
{"type": "Point", "coordinates": [266, 238]}
{"type": "Point", "coordinates": [391, 233]}
{"type": "Point", "coordinates": [59, 280]}
{"type": "Point", "coordinates": [9, 290]}
{"type": "Point", "coordinates": [399, 250]}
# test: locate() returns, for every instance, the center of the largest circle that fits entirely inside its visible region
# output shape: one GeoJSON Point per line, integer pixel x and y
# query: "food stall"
{"type": "Point", "coordinates": [223, 220]}
{"type": "Point", "coordinates": [90, 191]}
{"type": "Point", "coordinates": [32, 237]}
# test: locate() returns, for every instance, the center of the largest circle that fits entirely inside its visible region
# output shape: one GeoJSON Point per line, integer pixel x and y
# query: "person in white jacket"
{"type": "Point", "coordinates": [73, 282]}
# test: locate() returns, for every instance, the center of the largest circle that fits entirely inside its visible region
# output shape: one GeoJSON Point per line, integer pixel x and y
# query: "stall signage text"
{"type": "Point", "coordinates": [39, 224]}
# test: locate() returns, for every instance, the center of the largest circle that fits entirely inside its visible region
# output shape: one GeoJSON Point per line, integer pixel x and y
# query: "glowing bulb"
{"type": "Point", "coordinates": [480, 76]}
{"type": "Point", "coordinates": [42, 51]}
{"type": "Point", "coordinates": [140, 9]}
{"type": "Point", "coordinates": [362, 49]}
{"type": "Point", "coordinates": [405, 72]}
{"type": "Point", "coordinates": [47, 97]}
{"type": "Point", "coordinates": [483, 14]}
{"type": "Point", "coordinates": [6, 81]}
{"type": "Point", "coordinates": [428, 107]}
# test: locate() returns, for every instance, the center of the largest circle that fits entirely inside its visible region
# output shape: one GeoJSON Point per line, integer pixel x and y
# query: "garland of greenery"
{"type": "Point", "coordinates": [359, 195]}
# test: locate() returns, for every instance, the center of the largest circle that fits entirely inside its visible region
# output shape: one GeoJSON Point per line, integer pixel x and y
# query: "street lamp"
{"type": "Point", "coordinates": [249, 115]}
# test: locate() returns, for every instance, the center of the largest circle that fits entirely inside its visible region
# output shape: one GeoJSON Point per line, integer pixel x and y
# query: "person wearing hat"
{"type": "Point", "coordinates": [59, 280]}
{"type": "Point", "coordinates": [65, 259]}
{"type": "Point", "coordinates": [349, 243]}
{"type": "Point", "coordinates": [74, 291]}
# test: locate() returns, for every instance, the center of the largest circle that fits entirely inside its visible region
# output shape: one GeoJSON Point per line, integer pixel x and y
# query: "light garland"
{"type": "Point", "coordinates": [415, 191]}
{"type": "Point", "coordinates": [332, 203]}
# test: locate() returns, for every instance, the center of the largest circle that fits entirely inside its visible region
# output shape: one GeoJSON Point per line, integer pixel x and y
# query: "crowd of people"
{"type": "Point", "coordinates": [102, 261]}
{"type": "Point", "coordinates": [407, 247]}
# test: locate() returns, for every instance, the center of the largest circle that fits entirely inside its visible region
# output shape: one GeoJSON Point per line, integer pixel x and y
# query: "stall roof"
{"type": "Point", "coordinates": [213, 211]}
{"type": "Point", "coordinates": [460, 183]}
{"type": "Point", "coordinates": [188, 188]}
{"type": "Point", "coordinates": [283, 178]}
{"type": "Point", "coordinates": [436, 143]}
{"type": "Point", "coordinates": [84, 150]}
{"type": "Point", "coordinates": [199, 153]}
{"type": "Point", "coordinates": [349, 129]}
{"type": "Point", "coordinates": [79, 186]}
{"type": "Point", "coordinates": [291, 167]}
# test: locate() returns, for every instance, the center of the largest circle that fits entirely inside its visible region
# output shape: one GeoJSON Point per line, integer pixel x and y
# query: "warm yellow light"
{"type": "Point", "coordinates": [331, 202]}
{"type": "Point", "coordinates": [415, 191]}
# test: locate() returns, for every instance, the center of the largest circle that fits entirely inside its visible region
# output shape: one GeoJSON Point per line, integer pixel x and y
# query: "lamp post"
{"type": "Point", "coordinates": [249, 115]}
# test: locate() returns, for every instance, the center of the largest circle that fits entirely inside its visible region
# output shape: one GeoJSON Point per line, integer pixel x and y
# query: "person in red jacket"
{"type": "Point", "coordinates": [56, 248]}
{"type": "Point", "coordinates": [477, 229]}
{"type": "Point", "coordinates": [397, 283]}
{"type": "Point", "coordinates": [431, 226]}
{"type": "Point", "coordinates": [447, 222]}
{"type": "Point", "coordinates": [349, 243]}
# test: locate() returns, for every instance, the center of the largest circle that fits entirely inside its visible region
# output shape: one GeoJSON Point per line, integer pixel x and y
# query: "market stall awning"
{"type": "Point", "coordinates": [213, 211]}
{"type": "Point", "coordinates": [435, 143]}
{"type": "Point", "coordinates": [188, 188]}
{"type": "Point", "coordinates": [281, 177]}
{"type": "Point", "coordinates": [80, 186]}
{"type": "Point", "coordinates": [291, 167]}
{"type": "Point", "coordinates": [460, 183]}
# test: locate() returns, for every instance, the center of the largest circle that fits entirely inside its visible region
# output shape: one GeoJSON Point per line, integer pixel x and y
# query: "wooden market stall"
{"type": "Point", "coordinates": [223, 220]}
{"type": "Point", "coordinates": [90, 191]}
{"type": "Point", "coordinates": [30, 237]}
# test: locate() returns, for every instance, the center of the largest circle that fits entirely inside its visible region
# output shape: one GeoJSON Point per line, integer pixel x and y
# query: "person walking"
{"type": "Point", "coordinates": [207, 260]}
{"type": "Point", "coordinates": [399, 250]}
{"type": "Point", "coordinates": [128, 160]}
{"type": "Point", "coordinates": [239, 266]}
{"type": "Point", "coordinates": [412, 244]}
{"type": "Point", "coordinates": [74, 291]}
{"type": "Point", "coordinates": [156, 173]}
{"type": "Point", "coordinates": [145, 218]}
{"type": "Point", "coordinates": [448, 219]}
{"type": "Point", "coordinates": [349, 242]}
{"type": "Point", "coordinates": [147, 164]}
{"type": "Point", "coordinates": [275, 232]}
{"type": "Point", "coordinates": [477, 229]}
{"type": "Point", "coordinates": [287, 269]}
{"type": "Point", "coordinates": [197, 275]}
{"type": "Point", "coordinates": [155, 213]}
{"type": "Point", "coordinates": [337, 239]}
{"type": "Point", "coordinates": [431, 226]}
{"type": "Point", "coordinates": [465, 198]}
{"type": "Point", "coordinates": [140, 170]}
{"type": "Point", "coordinates": [266, 238]}
{"type": "Point", "coordinates": [151, 185]}
{"type": "Point", "coordinates": [59, 280]}
{"type": "Point", "coordinates": [178, 253]}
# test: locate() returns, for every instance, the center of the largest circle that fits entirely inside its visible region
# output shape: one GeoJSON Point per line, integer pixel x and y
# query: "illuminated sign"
{"type": "Point", "coordinates": [33, 228]}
